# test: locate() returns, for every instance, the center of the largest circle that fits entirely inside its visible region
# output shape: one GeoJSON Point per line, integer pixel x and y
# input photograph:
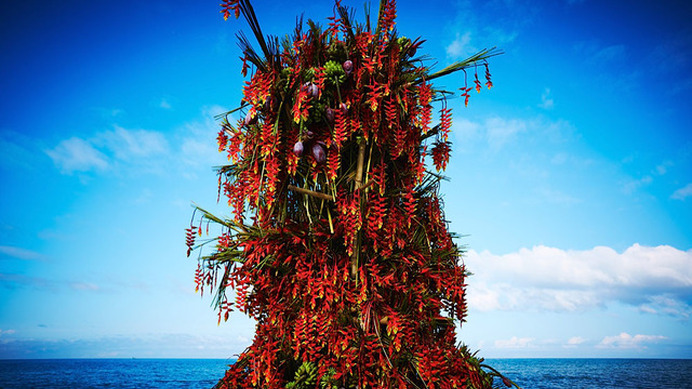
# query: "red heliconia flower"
{"type": "Point", "coordinates": [222, 139]}
{"type": "Point", "coordinates": [301, 106]}
{"type": "Point", "coordinates": [190, 239]}
{"type": "Point", "coordinates": [229, 5]}
{"type": "Point", "coordinates": [488, 83]}
{"type": "Point", "coordinates": [334, 24]}
{"type": "Point", "coordinates": [333, 164]}
{"type": "Point", "coordinates": [198, 276]}
{"type": "Point", "coordinates": [445, 123]}
{"type": "Point", "coordinates": [391, 113]}
{"type": "Point", "coordinates": [341, 127]}
{"type": "Point", "coordinates": [424, 99]}
{"type": "Point", "coordinates": [440, 154]}
{"type": "Point", "coordinates": [465, 94]}
{"type": "Point", "coordinates": [386, 23]}
{"type": "Point", "coordinates": [245, 67]}
{"type": "Point", "coordinates": [410, 207]}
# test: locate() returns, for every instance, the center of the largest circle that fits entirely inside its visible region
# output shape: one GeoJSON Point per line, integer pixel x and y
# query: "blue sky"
{"type": "Point", "coordinates": [570, 181]}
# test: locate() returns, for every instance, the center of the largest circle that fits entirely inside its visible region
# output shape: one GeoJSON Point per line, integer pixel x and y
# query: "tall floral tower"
{"type": "Point", "coordinates": [337, 245]}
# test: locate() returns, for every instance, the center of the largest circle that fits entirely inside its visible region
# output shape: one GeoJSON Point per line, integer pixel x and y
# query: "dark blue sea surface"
{"type": "Point", "coordinates": [111, 373]}
{"type": "Point", "coordinates": [204, 373]}
{"type": "Point", "coordinates": [596, 373]}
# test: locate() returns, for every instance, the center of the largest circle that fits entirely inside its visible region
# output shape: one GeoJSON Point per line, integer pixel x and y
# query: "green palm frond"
{"type": "Point", "coordinates": [249, 13]}
{"type": "Point", "coordinates": [473, 60]}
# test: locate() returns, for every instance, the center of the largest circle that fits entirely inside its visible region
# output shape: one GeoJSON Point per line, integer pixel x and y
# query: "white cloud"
{"type": "Point", "coordinates": [657, 279]}
{"type": "Point", "coordinates": [464, 131]}
{"type": "Point", "coordinates": [497, 133]}
{"type": "Point", "coordinates": [77, 155]}
{"type": "Point", "coordinates": [20, 253]}
{"type": "Point", "coordinates": [667, 305]}
{"type": "Point", "coordinates": [198, 147]}
{"type": "Point", "coordinates": [137, 151]}
{"type": "Point", "coordinates": [107, 148]}
{"type": "Point", "coordinates": [662, 168]}
{"type": "Point", "coordinates": [165, 104]}
{"type": "Point", "coordinates": [159, 345]}
{"type": "Point", "coordinates": [682, 193]}
{"type": "Point", "coordinates": [546, 101]}
{"type": "Point", "coordinates": [558, 197]}
{"type": "Point", "coordinates": [627, 341]}
{"type": "Point", "coordinates": [510, 19]}
{"type": "Point", "coordinates": [575, 341]}
{"type": "Point", "coordinates": [127, 145]}
{"type": "Point", "coordinates": [85, 286]}
{"type": "Point", "coordinates": [609, 53]}
{"type": "Point", "coordinates": [631, 186]}
{"type": "Point", "coordinates": [461, 46]}
{"type": "Point", "coordinates": [500, 131]}
{"type": "Point", "coordinates": [595, 53]}
{"type": "Point", "coordinates": [559, 158]}
{"type": "Point", "coordinates": [514, 342]}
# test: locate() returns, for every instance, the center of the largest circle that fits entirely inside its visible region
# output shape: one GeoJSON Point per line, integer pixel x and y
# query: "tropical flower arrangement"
{"type": "Point", "coordinates": [337, 244]}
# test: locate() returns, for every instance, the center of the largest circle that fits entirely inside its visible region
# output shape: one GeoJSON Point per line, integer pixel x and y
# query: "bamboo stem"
{"type": "Point", "coordinates": [312, 193]}
{"type": "Point", "coordinates": [331, 225]}
{"type": "Point", "coordinates": [367, 184]}
{"type": "Point", "coordinates": [359, 168]}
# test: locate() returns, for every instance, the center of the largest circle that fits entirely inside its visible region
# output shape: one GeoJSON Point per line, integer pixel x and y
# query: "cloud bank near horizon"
{"type": "Point", "coordinates": [656, 280]}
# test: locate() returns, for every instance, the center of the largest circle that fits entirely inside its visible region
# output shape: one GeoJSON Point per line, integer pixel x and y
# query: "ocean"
{"type": "Point", "coordinates": [204, 373]}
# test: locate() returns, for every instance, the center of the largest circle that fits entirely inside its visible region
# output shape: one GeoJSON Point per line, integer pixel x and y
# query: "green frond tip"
{"type": "Point", "coordinates": [473, 60]}
{"type": "Point", "coordinates": [231, 224]}
{"type": "Point", "coordinates": [328, 381]}
{"type": "Point", "coordinates": [224, 115]}
{"type": "Point", "coordinates": [305, 377]}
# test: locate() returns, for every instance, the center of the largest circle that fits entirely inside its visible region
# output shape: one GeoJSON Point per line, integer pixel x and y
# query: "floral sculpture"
{"type": "Point", "coordinates": [338, 246]}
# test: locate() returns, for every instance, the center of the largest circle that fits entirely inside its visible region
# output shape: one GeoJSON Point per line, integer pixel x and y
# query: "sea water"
{"type": "Point", "coordinates": [597, 373]}
{"type": "Point", "coordinates": [204, 373]}
{"type": "Point", "coordinates": [111, 373]}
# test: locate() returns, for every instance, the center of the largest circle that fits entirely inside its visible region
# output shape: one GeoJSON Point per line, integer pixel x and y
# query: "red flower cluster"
{"type": "Point", "coordinates": [230, 5]}
{"type": "Point", "coordinates": [348, 266]}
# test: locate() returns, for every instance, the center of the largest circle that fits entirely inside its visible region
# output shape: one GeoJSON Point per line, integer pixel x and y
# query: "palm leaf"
{"type": "Point", "coordinates": [473, 60]}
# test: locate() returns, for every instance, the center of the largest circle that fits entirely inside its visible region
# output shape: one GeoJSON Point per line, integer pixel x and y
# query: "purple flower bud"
{"type": "Point", "coordinates": [298, 149]}
{"type": "Point", "coordinates": [348, 66]}
{"type": "Point", "coordinates": [313, 90]}
{"type": "Point", "coordinates": [250, 118]}
{"type": "Point", "coordinates": [319, 153]}
{"type": "Point", "coordinates": [344, 107]}
{"type": "Point", "coordinates": [309, 134]}
{"type": "Point", "coordinates": [268, 103]}
{"type": "Point", "coordinates": [330, 115]}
